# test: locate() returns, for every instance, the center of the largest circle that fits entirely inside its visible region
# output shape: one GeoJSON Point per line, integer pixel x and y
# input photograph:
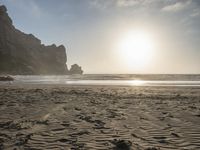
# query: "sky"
{"type": "Point", "coordinates": [92, 30]}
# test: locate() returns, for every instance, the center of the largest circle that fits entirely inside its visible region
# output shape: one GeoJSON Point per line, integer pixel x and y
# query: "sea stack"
{"type": "Point", "coordinates": [76, 69]}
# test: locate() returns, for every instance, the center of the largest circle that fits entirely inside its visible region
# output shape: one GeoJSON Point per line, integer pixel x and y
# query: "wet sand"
{"type": "Point", "coordinates": [99, 117]}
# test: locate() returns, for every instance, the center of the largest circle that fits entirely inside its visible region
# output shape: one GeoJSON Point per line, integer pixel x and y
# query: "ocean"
{"type": "Point", "coordinates": [113, 79]}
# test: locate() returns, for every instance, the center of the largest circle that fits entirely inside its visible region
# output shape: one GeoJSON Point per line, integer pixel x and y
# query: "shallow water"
{"type": "Point", "coordinates": [123, 80]}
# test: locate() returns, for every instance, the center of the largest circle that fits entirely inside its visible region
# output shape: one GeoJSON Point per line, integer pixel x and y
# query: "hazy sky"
{"type": "Point", "coordinates": [92, 29]}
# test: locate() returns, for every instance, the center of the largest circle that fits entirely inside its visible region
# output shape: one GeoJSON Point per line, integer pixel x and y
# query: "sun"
{"type": "Point", "coordinates": [136, 48]}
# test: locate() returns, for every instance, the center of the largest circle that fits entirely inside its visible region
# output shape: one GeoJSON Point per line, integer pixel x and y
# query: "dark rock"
{"type": "Point", "coordinates": [23, 54]}
{"type": "Point", "coordinates": [198, 115]}
{"type": "Point", "coordinates": [76, 69]}
{"type": "Point", "coordinates": [175, 134]}
{"type": "Point", "coordinates": [6, 78]}
{"type": "Point", "coordinates": [3, 9]}
{"type": "Point", "coordinates": [121, 144]}
{"type": "Point", "coordinates": [63, 140]}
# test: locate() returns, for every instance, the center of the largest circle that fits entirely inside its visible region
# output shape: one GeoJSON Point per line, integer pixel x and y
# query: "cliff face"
{"type": "Point", "coordinates": [22, 53]}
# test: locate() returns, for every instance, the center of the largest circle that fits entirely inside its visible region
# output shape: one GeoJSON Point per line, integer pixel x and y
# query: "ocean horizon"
{"type": "Point", "coordinates": [112, 79]}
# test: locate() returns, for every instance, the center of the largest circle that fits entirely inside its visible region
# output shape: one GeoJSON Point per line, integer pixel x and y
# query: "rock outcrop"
{"type": "Point", "coordinates": [6, 78]}
{"type": "Point", "coordinates": [75, 69]}
{"type": "Point", "coordinates": [24, 54]}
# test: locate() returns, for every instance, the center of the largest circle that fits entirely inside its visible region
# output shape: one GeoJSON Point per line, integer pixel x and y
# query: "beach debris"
{"type": "Point", "coordinates": [197, 115]}
{"type": "Point", "coordinates": [175, 134]}
{"type": "Point", "coordinates": [23, 140]}
{"type": "Point", "coordinates": [152, 148]}
{"type": "Point", "coordinates": [121, 144]}
{"type": "Point", "coordinates": [77, 109]}
{"type": "Point", "coordinates": [161, 139]}
{"type": "Point", "coordinates": [63, 140]}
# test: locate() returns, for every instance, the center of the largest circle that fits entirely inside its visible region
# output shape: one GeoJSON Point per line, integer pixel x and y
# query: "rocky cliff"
{"type": "Point", "coordinates": [22, 53]}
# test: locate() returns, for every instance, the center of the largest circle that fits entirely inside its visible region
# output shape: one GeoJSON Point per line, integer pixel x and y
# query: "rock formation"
{"type": "Point", "coordinates": [6, 78]}
{"type": "Point", "coordinates": [76, 69]}
{"type": "Point", "coordinates": [24, 54]}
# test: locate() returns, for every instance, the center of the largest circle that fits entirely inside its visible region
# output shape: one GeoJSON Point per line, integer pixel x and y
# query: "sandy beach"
{"type": "Point", "coordinates": [99, 117]}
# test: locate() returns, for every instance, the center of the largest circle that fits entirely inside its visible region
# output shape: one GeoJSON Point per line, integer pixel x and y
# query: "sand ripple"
{"type": "Point", "coordinates": [99, 118]}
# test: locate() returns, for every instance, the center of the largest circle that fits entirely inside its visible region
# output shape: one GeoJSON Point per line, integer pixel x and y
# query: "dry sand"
{"type": "Point", "coordinates": [97, 117]}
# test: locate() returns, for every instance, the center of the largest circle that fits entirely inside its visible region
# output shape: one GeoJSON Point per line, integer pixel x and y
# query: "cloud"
{"type": "Point", "coordinates": [178, 6]}
{"type": "Point", "coordinates": [101, 4]}
{"type": "Point", "coordinates": [195, 13]}
{"type": "Point", "coordinates": [118, 3]}
{"type": "Point", "coordinates": [128, 3]}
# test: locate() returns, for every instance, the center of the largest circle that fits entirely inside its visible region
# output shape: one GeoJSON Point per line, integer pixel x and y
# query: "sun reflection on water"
{"type": "Point", "coordinates": [137, 82]}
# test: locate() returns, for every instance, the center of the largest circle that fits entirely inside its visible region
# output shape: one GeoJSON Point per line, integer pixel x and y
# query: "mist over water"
{"type": "Point", "coordinates": [113, 79]}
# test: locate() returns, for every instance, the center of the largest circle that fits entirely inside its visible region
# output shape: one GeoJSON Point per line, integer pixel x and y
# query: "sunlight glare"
{"type": "Point", "coordinates": [136, 49]}
{"type": "Point", "coordinates": [137, 82]}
